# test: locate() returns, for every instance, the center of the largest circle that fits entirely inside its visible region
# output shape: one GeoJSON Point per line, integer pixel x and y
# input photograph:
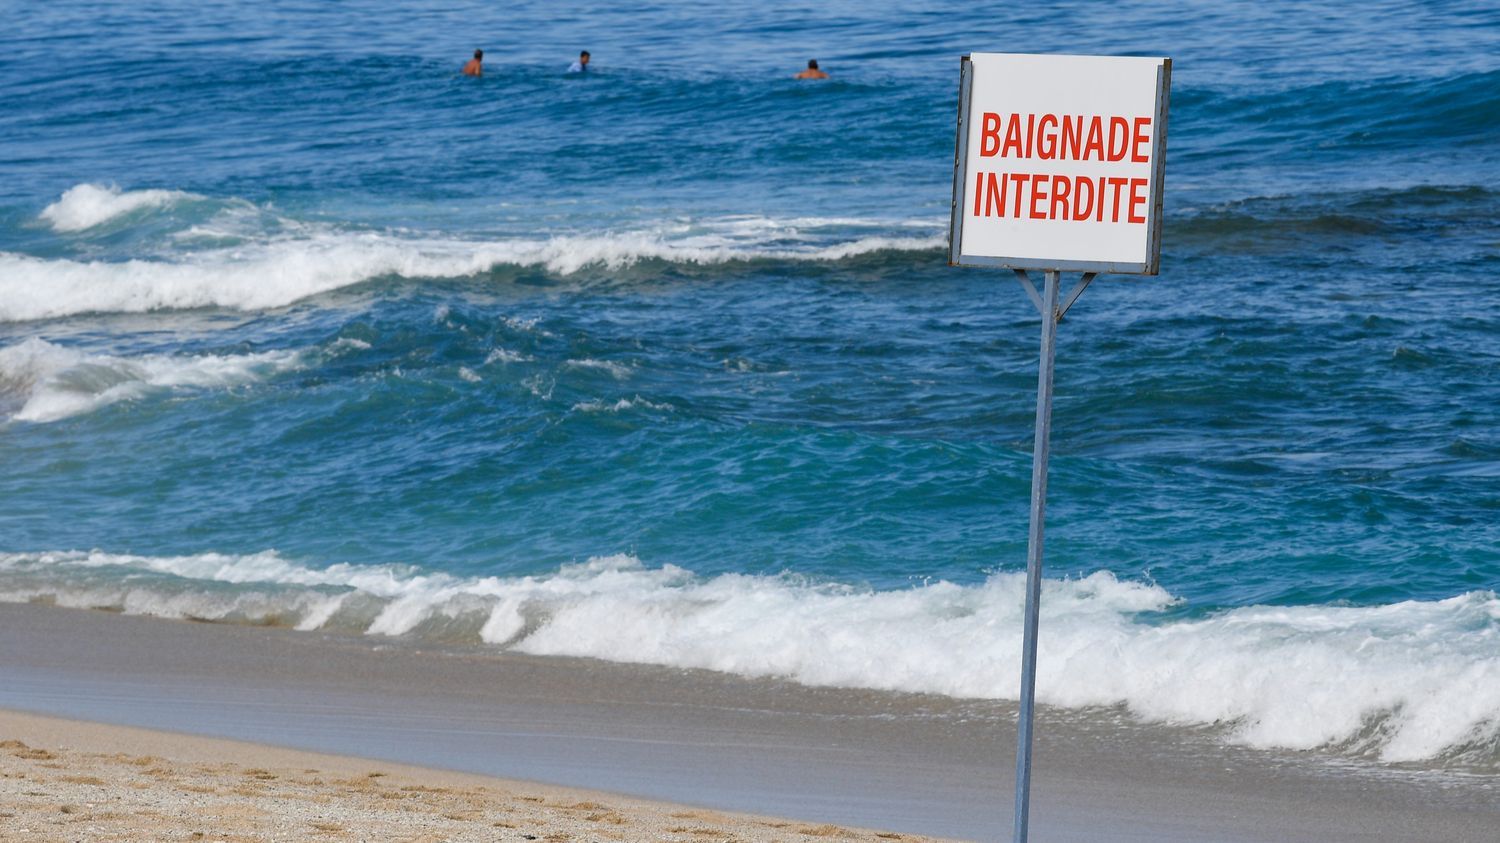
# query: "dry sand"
{"type": "Point", "coordinates": [67, 780]}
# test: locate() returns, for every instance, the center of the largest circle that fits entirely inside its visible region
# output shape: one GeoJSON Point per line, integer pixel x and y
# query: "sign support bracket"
{"type": "Point", "coordinates": [1083, 284]}
{"type": "Point", "coordinates": [1036, 298]}
{"type": "Point", "coordinates": [1030, 288]}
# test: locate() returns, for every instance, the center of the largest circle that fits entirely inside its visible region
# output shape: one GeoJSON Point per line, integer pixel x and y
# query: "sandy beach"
{"type": "Point", "coordinates": [832, 758]}
{"type": "Point", "coordinates": [70, 780]}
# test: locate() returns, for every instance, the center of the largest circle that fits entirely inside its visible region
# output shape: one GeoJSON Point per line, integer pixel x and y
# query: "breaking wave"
{"type": "Point", "coordinates": [1410, 681]}
{"type": "Point", "coordinates": [86, 206]}
{"type": "Point", "coordinates": [280, 273]}
{"type": "Point", "coordinates": [43, 382]}
{"type": "Point", "coordinates": [260, 260]}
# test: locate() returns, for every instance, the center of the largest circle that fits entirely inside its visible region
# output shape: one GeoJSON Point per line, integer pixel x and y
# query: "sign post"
{"type": "Point", "coordinates": [1059, 166]}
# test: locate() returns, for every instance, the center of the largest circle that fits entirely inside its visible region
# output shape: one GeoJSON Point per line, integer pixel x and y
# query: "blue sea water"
{"type": "Point", "coordinates": [663, 363]}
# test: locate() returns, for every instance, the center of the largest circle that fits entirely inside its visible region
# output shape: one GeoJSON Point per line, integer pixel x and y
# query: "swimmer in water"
{"type": "Point", "coordinates": [582, 65]}
{"type": "Point", "coordinates": [812, 71]}
{"type": "Point", "coordinates": [475, 65]}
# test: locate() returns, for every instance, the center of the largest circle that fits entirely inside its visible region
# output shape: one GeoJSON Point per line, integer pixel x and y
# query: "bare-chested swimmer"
{"type": "Point", "coordinates": [812, 71]}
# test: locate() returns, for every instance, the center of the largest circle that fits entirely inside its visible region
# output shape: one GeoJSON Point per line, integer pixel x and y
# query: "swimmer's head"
{"type": "Point", "coordinates": [812, 64]}
{"type": "Point", "coordinates": [479, 54]}
{"type": "Point", "coordinates": [583, 57]}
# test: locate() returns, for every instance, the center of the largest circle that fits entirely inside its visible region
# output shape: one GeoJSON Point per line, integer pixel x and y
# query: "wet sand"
{"type": "Point", "coordinates": [65, 780]}
{"type": "Point", "coordinates": [912, 764]}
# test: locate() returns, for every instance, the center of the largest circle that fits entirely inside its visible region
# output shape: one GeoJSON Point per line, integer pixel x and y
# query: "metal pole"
{"type": "Point", "coordinates": [1034, 552]}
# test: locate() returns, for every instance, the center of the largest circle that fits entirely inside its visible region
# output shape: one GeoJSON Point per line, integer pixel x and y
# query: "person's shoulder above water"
{"type": "Point", "coordinates": [475, 67]}
{"type": "Point", "coordinates": [812, 71]}
{"type": "Point", "coordinates": [582, 65]}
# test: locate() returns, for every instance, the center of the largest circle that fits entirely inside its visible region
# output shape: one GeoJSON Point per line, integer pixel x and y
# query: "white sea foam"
{"type": "Point", "coordinates": [250, 278]}
{"type": "Point", "coordinates": [505, 355]}
{"type": "Point", "coordinates": [84, 206]}
{"type": "Point", "coordinates": [43, 382]}
{"type": "Point", "coordinates": [1409, 681]}
{"type": "Point", "coordinates": [518, 324]}
{"type": "Point", "coordinates": [618, 371]}
{"type": "Point", "coordinates": [619, 406]}
{"type": "Point", "coordinates": [278, 261]}
{"type": "Point", "coordinates": [349, 343]}
{"type": "Point", "coordinates": [540, 385]}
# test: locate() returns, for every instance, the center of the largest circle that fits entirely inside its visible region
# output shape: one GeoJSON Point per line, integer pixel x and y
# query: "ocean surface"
{"type": "Point", "coordinates": [663, 363]}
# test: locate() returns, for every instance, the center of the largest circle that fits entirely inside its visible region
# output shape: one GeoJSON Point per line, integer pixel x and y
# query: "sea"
{"type": "Point", "coordinates": [664, 364]}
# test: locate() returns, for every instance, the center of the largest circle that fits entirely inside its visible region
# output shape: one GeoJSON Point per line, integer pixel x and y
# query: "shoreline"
{"type": "Point", "coordinates": [61, 777]}
{"type": "Point", "coordinates": [914, 764]}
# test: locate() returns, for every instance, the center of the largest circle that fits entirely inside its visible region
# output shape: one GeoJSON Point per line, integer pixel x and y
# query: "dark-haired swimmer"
{"type": "Point", "coordinates": [812, 71]}
{"type": "Point", "coordinates": [582, 65]}
{"type": "Point", "coordinates": [475, 66]}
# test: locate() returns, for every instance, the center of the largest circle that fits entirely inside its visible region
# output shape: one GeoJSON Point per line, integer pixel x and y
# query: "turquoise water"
{"type": "Point", "coordinates": [664, 364]}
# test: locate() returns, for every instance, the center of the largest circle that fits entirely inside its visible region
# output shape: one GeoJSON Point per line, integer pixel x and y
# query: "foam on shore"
{"type": "Point", "coordinates": [1410, 681]}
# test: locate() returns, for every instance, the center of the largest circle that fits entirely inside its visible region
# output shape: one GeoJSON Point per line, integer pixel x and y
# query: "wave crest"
{"type": "Point", "coordinates": [86, 206]}
{"type": "Point", "coordinates": [44, 382]}
{"type": "Point", "coordinates": [279, 273]}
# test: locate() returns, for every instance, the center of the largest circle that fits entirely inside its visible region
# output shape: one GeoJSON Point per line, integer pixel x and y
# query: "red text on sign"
{"type": "Point", "coordinates": [1070, 137]}
{"type": "Point", "coordinates": [1042, 196]}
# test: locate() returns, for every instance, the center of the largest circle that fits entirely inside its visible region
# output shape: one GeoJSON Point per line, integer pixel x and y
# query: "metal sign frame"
{"type": "Point", "coordinates": [1158, 181]}
{"type": "Point", "coordinates": [1051, 306]}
